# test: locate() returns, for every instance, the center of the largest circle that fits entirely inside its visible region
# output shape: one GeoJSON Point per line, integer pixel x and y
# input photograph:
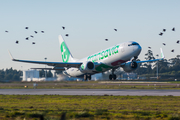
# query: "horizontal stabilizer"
{"type": "Point", "coordinates": [55, 68]}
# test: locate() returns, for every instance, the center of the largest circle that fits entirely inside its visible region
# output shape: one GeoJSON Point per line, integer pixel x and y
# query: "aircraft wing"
{"type": "Point", "coordinates": [162, 57]}
{"type": "Point", "coordinates": [149, 60]}
{"type": "Point", "coordinates": [55, 64]}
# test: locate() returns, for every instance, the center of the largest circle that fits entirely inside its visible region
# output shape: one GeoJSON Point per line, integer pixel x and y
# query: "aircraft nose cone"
{"type": "Point", "coordinates": [139, 47]}
{"type": "Point", "coordinates": [137, 50]}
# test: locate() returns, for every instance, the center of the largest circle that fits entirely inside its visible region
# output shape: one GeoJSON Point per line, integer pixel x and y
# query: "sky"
{"type": "Point", "coordinates": [88, 23]}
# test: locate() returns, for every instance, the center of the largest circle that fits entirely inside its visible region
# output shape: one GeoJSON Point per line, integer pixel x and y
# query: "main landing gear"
{"type": "Point", "coordinates": [87, 77]}
{"type": "Point", "coordinates": [134, 59]}
{"type": "Point", "coordinates": [112, 76]}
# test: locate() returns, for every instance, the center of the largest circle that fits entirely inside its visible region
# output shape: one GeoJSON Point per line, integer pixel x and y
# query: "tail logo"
{"type": "Point", "coordinates": [64, 52]}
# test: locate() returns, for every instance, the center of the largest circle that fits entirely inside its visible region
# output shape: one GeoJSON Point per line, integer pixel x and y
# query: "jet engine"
{"type": "Point", "coordinates": [87, 67]}
{"type": "Point", "coordinates": [130, 66]}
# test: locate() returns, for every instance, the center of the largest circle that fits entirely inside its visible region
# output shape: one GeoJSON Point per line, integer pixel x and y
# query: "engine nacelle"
{"type": "Point", "coordinates": [130, 66]}
{"type": "Point", "coordinates": [87, 67]}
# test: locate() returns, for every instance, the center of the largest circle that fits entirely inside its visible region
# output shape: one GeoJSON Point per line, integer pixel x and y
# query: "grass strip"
{"type": "Point", "coordinates": [89, 107]}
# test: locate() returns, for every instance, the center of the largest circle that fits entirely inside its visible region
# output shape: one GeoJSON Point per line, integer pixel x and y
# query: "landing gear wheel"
{"type": "Point", "coordinates": [85, 77]}
{"type": "Point", "coordinates": [89, 77]}
{"type": "Point", "coordinates": [110, 77]}
{"type": "Point", "coordinates": [114, 77]}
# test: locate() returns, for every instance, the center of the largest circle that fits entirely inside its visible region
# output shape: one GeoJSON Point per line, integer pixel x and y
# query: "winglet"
{"type": "Point", "coordinates": [10, 55]}
{"type": "Point", "coordinates": [162, 55]}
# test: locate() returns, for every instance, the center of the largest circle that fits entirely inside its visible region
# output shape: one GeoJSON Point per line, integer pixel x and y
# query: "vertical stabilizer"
{"type": "Point", "coordinates": [66, 55]}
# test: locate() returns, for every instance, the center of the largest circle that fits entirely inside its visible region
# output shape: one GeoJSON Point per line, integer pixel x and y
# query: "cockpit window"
{"type": "Point", "coordinates": [134, 43]}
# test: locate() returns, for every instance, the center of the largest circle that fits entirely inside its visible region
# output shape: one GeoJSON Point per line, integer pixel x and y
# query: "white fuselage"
{"type": "Point", "coordinates": [109, 58]}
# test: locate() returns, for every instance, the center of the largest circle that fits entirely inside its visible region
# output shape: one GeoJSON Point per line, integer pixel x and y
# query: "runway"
{"type": "Point", "coordinates": [114, 92]}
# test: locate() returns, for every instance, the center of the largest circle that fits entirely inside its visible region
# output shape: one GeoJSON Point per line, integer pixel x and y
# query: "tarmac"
{"type": "Point", "coordinates": [114, 92]}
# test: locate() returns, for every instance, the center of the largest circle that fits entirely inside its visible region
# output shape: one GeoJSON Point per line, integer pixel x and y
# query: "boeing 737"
{"type": "Point", "coordinates": [121, 55]}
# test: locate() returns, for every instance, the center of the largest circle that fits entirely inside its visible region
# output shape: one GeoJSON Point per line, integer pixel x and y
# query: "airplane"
{"type": "Point", "coordinates": [120, 55]}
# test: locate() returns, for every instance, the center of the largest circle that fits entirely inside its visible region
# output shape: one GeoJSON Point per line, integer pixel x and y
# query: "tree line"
{"type": "Point", "coordinates": [166, 68]}
{"type": "Point", "coordinates": [10, 74]}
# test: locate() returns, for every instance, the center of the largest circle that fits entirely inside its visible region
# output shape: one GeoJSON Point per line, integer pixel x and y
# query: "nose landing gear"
{"type": "Point", "coordinates": [135, 57]}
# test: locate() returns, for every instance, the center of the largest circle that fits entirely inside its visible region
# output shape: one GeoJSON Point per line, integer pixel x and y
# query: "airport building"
{"type": "Point", "coordinates": [129, 76]}
{"type": "Point", "coordinates": [33, 75]}
{"type": "Point", "coordinates": [30, 75]}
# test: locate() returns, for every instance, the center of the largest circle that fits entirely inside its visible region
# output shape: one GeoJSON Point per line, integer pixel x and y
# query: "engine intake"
{"type": "Point", "coordinates": [134, 64]}
{"type": "Point", "coordinates": [87, 67]}
{"type": "Point", "coordinates": [90, 65]}
{"type": "Point", "coordinates": [130, 66]}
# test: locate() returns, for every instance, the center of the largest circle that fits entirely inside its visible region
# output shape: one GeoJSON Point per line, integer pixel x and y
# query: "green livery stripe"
{"type": "Point", "coordinates": [82, 66]}
{"type": "Point", "coordinates": [101, 67]}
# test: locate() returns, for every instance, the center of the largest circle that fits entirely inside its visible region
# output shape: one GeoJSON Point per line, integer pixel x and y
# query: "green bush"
{"type": "Point", "coordinates": [101, 112]}
{"type": "Point", "coordinates": [15, 114]}
{"type": "Point", "coordinates": [143, 113]}
{"type": "Point", "coordinates": [136, 117]}
{"type": "Point", "coordinates": [164, 115]}
{"type": "Point", "coordinates": [147, 118]}
{"type": "Point", "coordinates": [35, 115]}
{"type": "Point", "coordinates": [83, 114]}
{"type": "Point", "coordinates": [63, 116]}
{"type": "Point", "coordinates": [174, 117]}
{"type": "Point", "coordinates": [125, 112]}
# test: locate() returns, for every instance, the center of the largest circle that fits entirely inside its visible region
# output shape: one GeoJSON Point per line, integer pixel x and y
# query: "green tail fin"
{"type": "Point", "coordinates": [66, 55]}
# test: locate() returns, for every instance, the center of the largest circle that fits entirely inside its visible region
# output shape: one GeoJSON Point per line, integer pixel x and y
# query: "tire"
{"type": "Point", "coordinates": [110, 77]}
{"type": "Point", "coordinates": [89, 77]}
{"type": "Point", "coordinates": [85, 77]}
{"type": "Point", "coordinates": [114, 77]}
